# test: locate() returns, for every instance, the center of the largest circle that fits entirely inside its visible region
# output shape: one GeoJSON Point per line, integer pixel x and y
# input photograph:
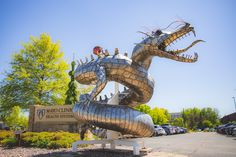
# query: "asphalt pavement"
{"type": "Point", "coordinates": [200, 144]}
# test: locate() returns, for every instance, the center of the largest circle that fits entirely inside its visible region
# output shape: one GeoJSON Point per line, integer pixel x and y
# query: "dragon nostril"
{"type": "Point", "coordinates": [158, 32]}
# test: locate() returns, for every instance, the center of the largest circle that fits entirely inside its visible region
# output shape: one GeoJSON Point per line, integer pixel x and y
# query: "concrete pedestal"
{"type": "Point", "coordinates": [137, 145]}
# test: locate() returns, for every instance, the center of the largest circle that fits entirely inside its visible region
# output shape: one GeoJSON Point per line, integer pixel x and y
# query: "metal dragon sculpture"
{"type": "Point", "coordinates": [133, 74]}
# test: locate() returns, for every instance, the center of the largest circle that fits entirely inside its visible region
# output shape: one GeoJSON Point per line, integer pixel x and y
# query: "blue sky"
{"type": "Point", "coordinates": [80, 25]}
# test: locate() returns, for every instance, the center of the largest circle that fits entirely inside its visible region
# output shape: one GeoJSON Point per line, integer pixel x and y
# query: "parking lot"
{"type": "Point", "coordinates": [200, 144]}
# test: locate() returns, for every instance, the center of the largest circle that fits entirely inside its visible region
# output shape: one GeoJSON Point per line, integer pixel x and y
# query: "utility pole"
{"type": "Point", "coordinates": [234, 102]}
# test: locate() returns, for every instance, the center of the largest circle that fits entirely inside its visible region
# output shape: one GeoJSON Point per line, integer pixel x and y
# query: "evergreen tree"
{"type": "Point", "coordinates": [71, 94]}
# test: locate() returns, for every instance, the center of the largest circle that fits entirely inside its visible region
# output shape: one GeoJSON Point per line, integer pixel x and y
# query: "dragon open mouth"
{"type": "Point", "coordinates": [176, 36]}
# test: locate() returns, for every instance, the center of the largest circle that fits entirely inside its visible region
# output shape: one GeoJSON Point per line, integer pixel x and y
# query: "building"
{"type": "Point", "coordinates": [175, 115]}
{"type": "Point", "coordinates": [228, 118]}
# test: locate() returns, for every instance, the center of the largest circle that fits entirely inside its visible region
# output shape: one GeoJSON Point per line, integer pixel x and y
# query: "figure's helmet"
{"type": "Point", "coordinates": [97, 50]}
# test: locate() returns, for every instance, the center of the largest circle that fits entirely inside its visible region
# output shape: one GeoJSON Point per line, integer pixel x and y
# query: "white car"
{"type": "Point", "coordinates": [159, 131]}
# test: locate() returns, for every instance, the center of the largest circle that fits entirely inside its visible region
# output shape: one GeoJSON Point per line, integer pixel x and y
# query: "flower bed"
{"type": "Point", "coordinates": [50, 140]}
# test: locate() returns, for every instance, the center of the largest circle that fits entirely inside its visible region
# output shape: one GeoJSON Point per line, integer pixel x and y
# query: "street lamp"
{"type": "Point", "coordinates": [234, 102]}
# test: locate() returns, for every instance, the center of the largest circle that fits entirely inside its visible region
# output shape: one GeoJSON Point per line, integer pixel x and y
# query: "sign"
{"type": "Point", "coordinates": [54, 113]}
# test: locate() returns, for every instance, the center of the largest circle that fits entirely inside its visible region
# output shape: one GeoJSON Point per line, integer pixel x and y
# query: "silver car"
{"type": "Point", "coordinates": [159, 131]}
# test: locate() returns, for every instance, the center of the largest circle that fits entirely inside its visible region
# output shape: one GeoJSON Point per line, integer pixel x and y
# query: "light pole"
{"type": "Point", "coordinates": [234, 102]}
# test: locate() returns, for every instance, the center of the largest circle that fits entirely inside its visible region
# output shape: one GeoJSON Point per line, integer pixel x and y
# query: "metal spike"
{"type": "Point", "coordinates": [195, 55]}
{"type": "Point", "coordinates": [106, 97]}
{"type": "Point", "coordinates": [106, 53]}
{"type": "Point", "coordinates": [78, 62]}
{"type": "Point", "coordinates": [100, 98]}
{"type": "Point", "coordinates": [116, 51]}
{"type": "Point", "coordinates": [81, 61]}
{"type": "Point", "coordinates": [92, 58]}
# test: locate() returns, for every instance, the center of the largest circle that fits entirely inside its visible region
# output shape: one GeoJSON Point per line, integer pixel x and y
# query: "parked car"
{"type": "Point", "coordinates": [229, 129]}
{"type": "Point", "coordinates": [168, 129]}
{"type": "Point", "coordinates": [221, 128]}
{"type": "Point", "coordinates": [183, 130]}
{"type": "Point", "coordinates": [159, 131]}
{"type": "Point", "coordinates": [234, 132]}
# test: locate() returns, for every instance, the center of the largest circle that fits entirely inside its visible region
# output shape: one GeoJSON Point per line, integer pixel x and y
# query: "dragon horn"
{"type": "Point", "coordinates": [78, 62]}
{"type": "Point", "coordinates": [92, 58]}
{"type": "Point", "coordinates": [116, 51]}
{"type": "Point", "coordinates": [111, 94]}
{"type": "Point", "coordinates": [81, 61]}
{"type": "Point", "coordinates": [106, 53]}
{"type": "Point", "coordinates": [145, 34]}
{"type": "Point", "coordinates": [106, 97]}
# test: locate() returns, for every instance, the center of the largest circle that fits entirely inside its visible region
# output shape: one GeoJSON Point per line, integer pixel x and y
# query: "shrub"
{"type": "Point", "coordinates": [51, 140]}
{"type": "Point", "coordinates": [9, 142]}
{"type": "Point", "coordinates": [5, 134]}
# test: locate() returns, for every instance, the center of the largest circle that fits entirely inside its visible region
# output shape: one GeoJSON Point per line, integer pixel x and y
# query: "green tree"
{"type": "Point", "coordinates": [71, 94]}
{"type": "Point", "coordinates": [178, 122]}
{"type": "Point", "coordinates": [191, 117]}
{"type": "Point", "coordinates": [16, 118]}
{"type": "Point", "coordinates": [210, 115]}
{"type": "Point", "coordinates": [159, 115]}
{"type": "Point", "coordinates": [143, 108]}
{"type": "Point", "coordinates": [206, 124]}
{"type": "Point", "coordinates": [38, 75]}
{"type": "Point", "coordinates": [198, 118]}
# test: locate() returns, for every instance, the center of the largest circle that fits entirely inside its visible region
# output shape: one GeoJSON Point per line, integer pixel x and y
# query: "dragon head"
{"type": "Point", "coordinates": [160, 40]}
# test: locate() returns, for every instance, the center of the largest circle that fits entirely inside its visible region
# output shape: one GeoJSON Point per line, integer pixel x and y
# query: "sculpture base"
{"type": "Point", "coordinates": [138, 145]}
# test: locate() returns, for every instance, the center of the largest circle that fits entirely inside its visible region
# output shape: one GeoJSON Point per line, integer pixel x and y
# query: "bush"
{"type": "Point", "coordinates": [51, 140]}
{"type": "Point", "coordinates": [9, 142]}
{"type": "Point", "coordinates": [5, 134]}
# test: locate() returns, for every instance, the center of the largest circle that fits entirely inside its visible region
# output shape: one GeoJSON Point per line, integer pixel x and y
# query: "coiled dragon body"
{"type": "Point", "coordinates": [133, 74]}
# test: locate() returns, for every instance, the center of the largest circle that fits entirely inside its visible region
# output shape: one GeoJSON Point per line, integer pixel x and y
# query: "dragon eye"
{"type": "Point", "coordinates": [158, 32]}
